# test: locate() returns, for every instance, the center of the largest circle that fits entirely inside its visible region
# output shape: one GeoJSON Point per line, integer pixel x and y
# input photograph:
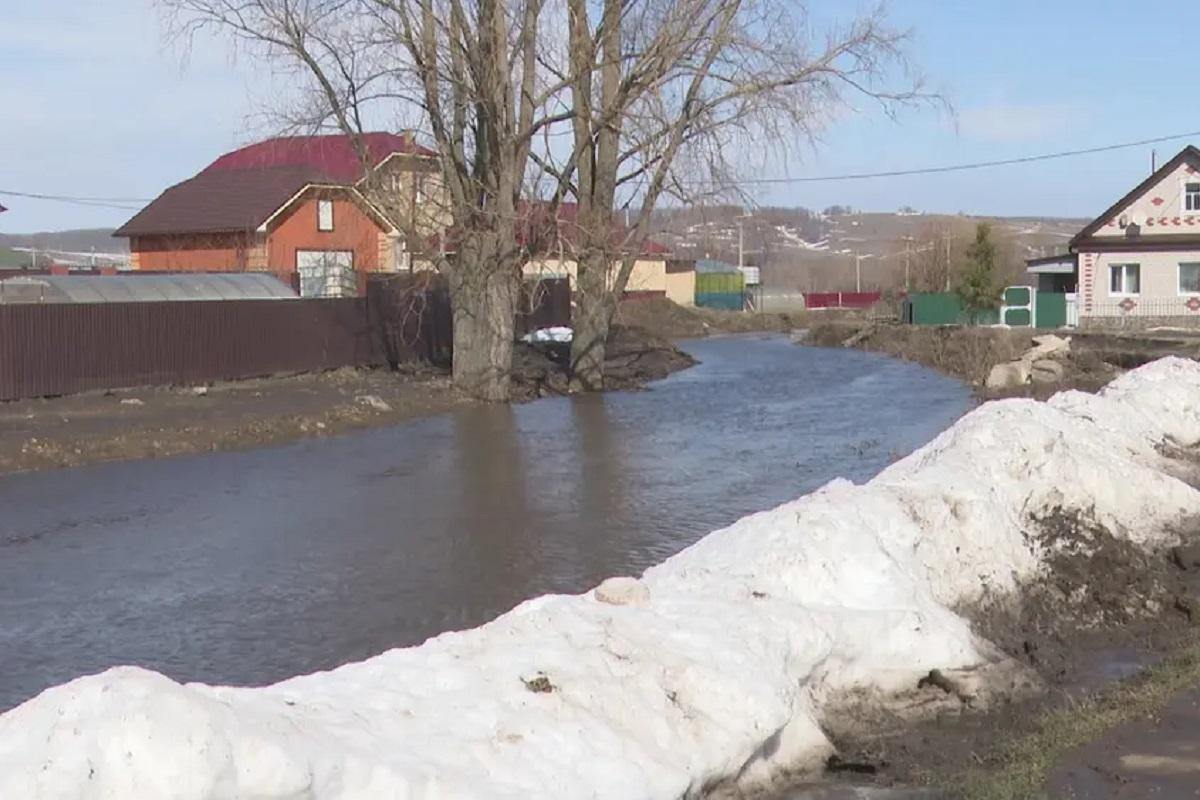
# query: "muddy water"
{"type": "Point", "coordinates": [249, 567]}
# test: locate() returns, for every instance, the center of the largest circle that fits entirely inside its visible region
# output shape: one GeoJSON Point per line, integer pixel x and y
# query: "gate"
{"type": "Point", "coordinates": [1018, 306]}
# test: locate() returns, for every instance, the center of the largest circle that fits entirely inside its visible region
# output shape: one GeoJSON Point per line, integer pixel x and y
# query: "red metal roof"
{"type": "Point", "coordinates": [221, 200]}
{"type": "Point", "coordinates": [241, 189]}
{"type": "Point", "coordinates": [333, 156]}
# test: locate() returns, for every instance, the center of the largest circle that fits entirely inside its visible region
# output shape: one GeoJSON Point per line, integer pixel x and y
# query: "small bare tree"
{"type": "Point", "coordinates": [669, 95]}
{"type": "Point", "coordinates": [470, 71]}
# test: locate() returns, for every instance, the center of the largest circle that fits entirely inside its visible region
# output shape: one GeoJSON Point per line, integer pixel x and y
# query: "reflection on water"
{"type": "Point", "coordinates": [250, 567]}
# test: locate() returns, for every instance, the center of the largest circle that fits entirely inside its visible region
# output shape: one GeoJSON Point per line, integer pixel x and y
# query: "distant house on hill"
{"type": "Point", "coordinates": [1140, 259]}
{"type": "Point", "coordinates": [306, 205]}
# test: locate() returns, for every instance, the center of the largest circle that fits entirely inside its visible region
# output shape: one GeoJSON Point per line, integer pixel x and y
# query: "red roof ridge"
{"type": "Point", "coordinates": [334, 155]}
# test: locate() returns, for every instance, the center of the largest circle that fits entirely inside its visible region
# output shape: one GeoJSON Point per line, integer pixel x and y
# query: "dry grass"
{"type": "Point", "coordinates": [1026, 762]}
{"type": "Point", "coordinates": [672, 321]}
{"type": "Point", "coordinates": [964, 353]}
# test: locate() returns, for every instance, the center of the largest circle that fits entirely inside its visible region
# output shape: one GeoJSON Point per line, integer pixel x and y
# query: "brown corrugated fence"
{"type": "Point", "coordinates": [56, 349]}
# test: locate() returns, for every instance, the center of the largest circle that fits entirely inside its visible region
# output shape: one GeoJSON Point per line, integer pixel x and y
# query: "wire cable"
{"type": "Point", "coordinates": [103, 202]}
{"type": "Point", "coordinates": [857, 176]}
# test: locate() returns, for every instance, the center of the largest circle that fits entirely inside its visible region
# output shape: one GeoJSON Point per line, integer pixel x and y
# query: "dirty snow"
{"type": "Point", "coordinates": [554, 334]}
{"type": "Point", "coordinates": [716, 663]}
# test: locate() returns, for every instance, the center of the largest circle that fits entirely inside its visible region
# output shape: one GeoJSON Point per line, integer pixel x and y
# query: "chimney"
{"type": "Point", "coordinates": [1153, 161]}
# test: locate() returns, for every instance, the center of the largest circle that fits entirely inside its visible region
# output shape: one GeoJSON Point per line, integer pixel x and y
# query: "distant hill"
{"type": "Point", "coordinates": [65, 247]}
{"type": "Point", "coordinates": [802, 249]}
{"type": "Point", "coordinates": [11, 259]}
{"type": "Point", "coordinates": [81, 240]}
{"type": "Point", "coordinates": [797, 248]}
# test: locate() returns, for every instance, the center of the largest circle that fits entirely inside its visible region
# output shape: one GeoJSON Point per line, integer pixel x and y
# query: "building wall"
{"type": "Point", "coordinates": [1160, 210]}
{"type": "Point", "coordinates": [1159, 294]}
{"type": "Point", "coordinates": [296, 230]}
{"type": "Point", "coordinates": [648, 275]}
{"type": "Point", "coordinates": [681, 287]}
{"type": "Point", "coordinates": [210, 252]}
{"type": "Point", "coordinates": [409, 190]}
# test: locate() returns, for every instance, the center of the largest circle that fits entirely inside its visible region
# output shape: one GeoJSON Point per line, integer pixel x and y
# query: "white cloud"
{"type": "Point", "coordinates": [1019, 122]}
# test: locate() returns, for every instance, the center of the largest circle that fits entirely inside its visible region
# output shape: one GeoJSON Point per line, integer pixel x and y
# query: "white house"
{"type": "Point", "coordinates": [1139, 261]}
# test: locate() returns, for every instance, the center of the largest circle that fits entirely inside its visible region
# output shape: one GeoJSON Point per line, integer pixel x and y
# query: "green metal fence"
{"type": "Point", "coordinates": [1023, 308]}
{"type": "Point", "coordinates": [943, 308]}
{"type": "Point", "coordinates": [1051, 309]}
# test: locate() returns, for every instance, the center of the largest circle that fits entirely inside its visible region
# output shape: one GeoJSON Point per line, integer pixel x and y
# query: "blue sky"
{"type": "Point", "coordinates": [97, 103]}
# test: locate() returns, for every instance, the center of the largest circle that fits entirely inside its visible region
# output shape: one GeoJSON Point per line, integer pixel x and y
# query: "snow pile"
{"type": "Point", "coordinates": [556, 334]}
{"type": "Point", "coordinates": [716, 664]}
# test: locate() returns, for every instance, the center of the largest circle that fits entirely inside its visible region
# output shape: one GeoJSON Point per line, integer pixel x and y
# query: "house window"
{"type": "Point", "coordinates": [324, 215]}
{"type": "Point", "coordinates": [396, 180]}
{"type": "Point", "coordinates": [420, 196]}
{"type": "Point", "coordinates": [1189, 278]}
{"type": "Point", "coordinates": [1124, 279]}
{"type": "Point", "coordinates": [1191, 197]}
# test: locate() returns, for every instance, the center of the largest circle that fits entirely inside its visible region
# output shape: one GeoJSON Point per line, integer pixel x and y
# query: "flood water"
{"type": "Point", "coordinates": [248, 567]}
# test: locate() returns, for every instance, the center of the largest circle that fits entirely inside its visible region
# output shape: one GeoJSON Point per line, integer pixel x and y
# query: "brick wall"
{"type": "Point", "coordinates": [209, 252]}
{"type": "Point", "coordinates": [297, 230]}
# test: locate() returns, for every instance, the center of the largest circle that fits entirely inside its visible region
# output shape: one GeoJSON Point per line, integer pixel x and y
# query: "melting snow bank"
{"type": "Point", "coordinates": [717, 665]}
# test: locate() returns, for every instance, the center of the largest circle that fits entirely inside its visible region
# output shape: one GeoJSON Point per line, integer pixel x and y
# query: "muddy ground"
{"type": "Point", "coordinates": [163, 421]}
{"type": "Point", "coordinates": [1103, 702]}
{"type": "Point", "coordinates": [969, 353]}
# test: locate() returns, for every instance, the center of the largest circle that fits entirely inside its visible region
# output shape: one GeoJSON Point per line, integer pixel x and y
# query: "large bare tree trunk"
{"type": "Point", "coordinates": [483, 298]}
{"type": "Point", "coordinates": [594, 309]}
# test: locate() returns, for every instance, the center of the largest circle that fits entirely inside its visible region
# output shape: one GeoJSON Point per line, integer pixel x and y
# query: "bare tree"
{"type": "Point", "coordinates": [668, 94]}
{"type": "Point", "coordinates": [471, 71]}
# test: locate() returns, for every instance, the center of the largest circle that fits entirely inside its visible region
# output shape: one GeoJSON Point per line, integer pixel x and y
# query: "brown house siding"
{"type": "Point", "coordinates": [297, 230]}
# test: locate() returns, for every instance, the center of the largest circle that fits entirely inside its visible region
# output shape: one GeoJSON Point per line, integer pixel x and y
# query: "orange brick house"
{"type": "Point", "coordinates": [295, 206]}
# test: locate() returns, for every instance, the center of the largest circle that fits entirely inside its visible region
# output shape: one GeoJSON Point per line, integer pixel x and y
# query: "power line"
{"type": "Point", "coordinates": [857, 176]}
{"type": "Point", "coordinates": [120, 202]}
{"type": "Point", "coordinates": [103, 202]}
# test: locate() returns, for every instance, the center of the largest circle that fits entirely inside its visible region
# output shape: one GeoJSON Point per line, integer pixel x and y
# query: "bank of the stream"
{"type": "Point", "coordinates": [154, 422]}
{"type": "Point", "coordinates": [740, 656]}
{"type": "Point", "coordinates": [1109, 635]}
{"type": "Point", "coordinates": [1110, 631]}
{"type": "Point", "coordinates": [969, 353]}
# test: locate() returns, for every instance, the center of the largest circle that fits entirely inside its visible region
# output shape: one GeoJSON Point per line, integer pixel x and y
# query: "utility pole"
{"type": "Point", "coordinates": [858, 272]}
{"type": "Point", "coordinates": [907, 258]}
{"type": "Point", "coordinates": [947, 259]}
{"type": "Point", "coordinates": [741, 240]}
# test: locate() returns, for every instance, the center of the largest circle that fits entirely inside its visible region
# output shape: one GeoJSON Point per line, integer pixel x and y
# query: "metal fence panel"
{"type": "Point", "coordinates": [57, 349]}
{"type": "Point", "coordinates": [50, 350]}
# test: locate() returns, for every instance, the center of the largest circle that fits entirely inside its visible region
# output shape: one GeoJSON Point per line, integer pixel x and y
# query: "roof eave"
{"type": "Point", "coordinates": [1088, 230]}
{"type": "Point", "coordinates": [1102, 245]}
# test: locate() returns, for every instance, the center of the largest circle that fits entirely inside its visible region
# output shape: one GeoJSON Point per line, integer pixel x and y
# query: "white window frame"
{"type": "Point", "coordinates": [1124, 279]}
{"type": "Point", "coordinates": [1183, 197]}
{"type": "Point", "coordinates": [1179, 278]}
{"type": "Point", "coordinates": [322, 207]}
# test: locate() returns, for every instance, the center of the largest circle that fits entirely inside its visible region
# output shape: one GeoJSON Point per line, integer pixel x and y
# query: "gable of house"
{"type": "Point", "coordinates": [241, 190]}
{"type": "Point", "coordinates": [346, 226]}
{"type": "Point", "coordinates": [1164, 208]}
